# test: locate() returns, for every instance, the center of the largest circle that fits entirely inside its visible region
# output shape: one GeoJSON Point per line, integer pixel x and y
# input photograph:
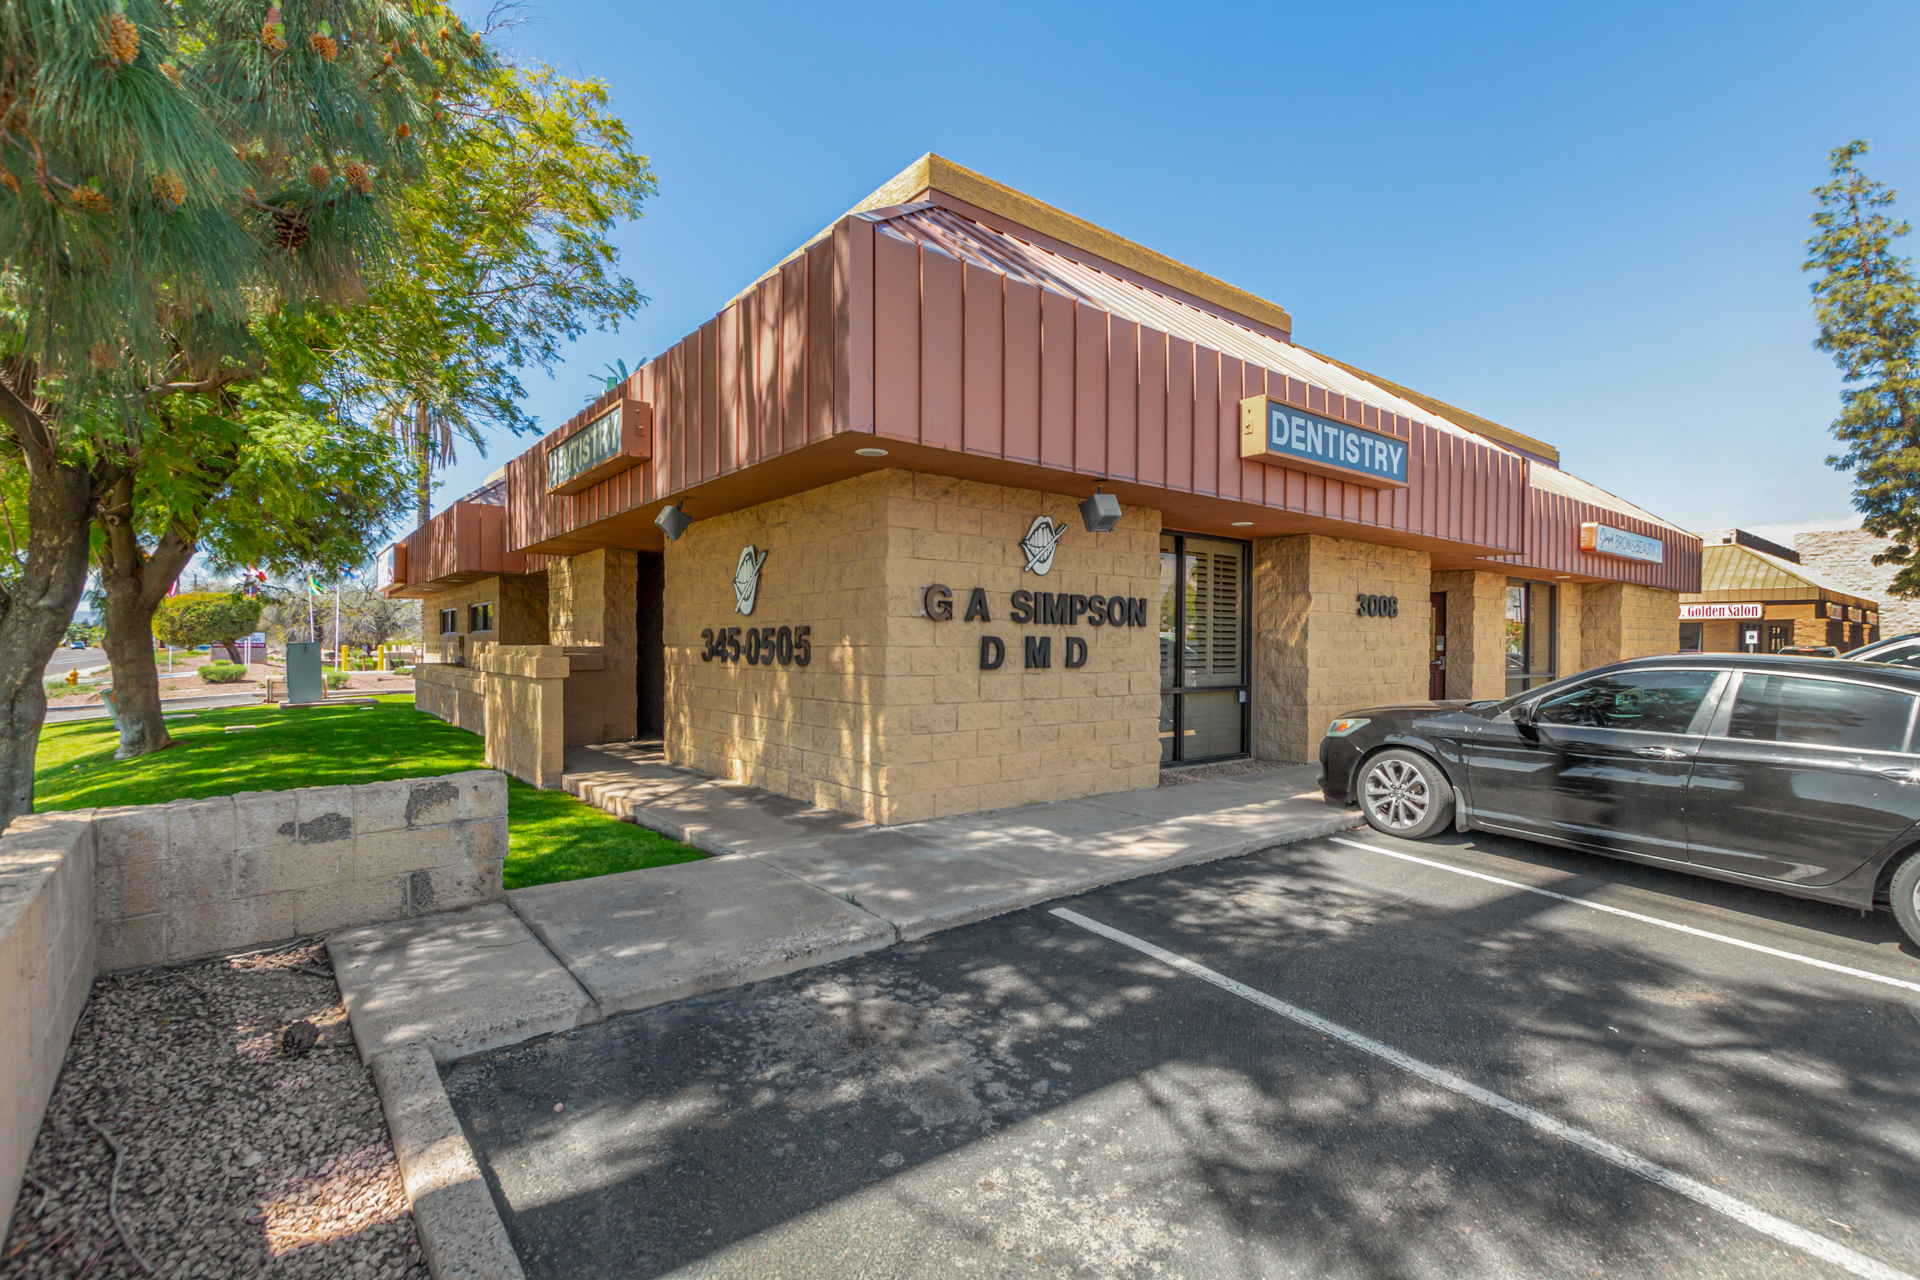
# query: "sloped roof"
{"type": "Point", "coordinates": [929, 224]}
{"type": "Point", "coordinates": [1568, 485]}
{"type": "Point", "coordinates": [1731, 567]}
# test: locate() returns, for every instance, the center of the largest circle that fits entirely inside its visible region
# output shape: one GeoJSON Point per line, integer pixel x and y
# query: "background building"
{"type": "Point", "coordinates": [1845, 556]}
{"type": "Point", "coordinates": [1757, 597]}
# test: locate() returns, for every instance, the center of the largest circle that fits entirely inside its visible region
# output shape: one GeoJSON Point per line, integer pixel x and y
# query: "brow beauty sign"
{"type": "Point", "coordinates": [1038, 608]}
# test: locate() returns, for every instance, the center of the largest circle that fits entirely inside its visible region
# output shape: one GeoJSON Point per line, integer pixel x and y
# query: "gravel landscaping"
{"type": "Point", "coordinates": [249, 1137]}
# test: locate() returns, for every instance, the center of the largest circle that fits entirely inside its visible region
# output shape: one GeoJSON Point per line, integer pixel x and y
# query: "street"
{"type": "Point", "coordinates": [65, 660]}
{"type": "Point", "coordinates": [1367, 1057]}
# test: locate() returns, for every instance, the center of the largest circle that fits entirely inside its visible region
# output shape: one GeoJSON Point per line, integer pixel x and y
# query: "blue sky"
{"type": "Point", "coordinates": [1585, 222]}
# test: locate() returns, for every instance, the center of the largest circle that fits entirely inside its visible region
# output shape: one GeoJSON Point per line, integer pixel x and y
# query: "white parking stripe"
{"type": "Point", "coordinates": [1740, 1211]}
{"type": "Point", "coordinates": [1635, 915]}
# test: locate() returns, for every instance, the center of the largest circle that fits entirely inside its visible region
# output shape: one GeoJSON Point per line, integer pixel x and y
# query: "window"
{"type": "Point", "coordinates": [1203, 648]}
{"type": "Point", "coordinates": [1823, 713]}
{"type": "Point", "coordinates": [1779, 636]}
{"type": "Point", "coordinates": [449, 621]}
{"type": "Point", "coordinates": [479, 617]}
{"type": "Point", "coordinates": [1690, 637]}
{"type": "Point", "coordinates": [1530, 621]}
{"type": "Point", "coordinates": [1652, 702]}
{"type": "Point", "coordinates": [1900, 655]}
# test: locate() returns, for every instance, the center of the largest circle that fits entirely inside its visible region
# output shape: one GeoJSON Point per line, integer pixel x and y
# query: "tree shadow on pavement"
{"type": "Point", "coordinates": [1024, 1097]}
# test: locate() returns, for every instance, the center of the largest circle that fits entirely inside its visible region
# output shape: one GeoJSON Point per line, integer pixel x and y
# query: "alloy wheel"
{"type": "Point", "coordinates": [1397, 794]}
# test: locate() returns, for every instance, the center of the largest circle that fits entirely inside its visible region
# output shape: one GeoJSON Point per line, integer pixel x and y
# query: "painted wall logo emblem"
{"type": "Point", "coordinates": [746, 579]}
{"type": "Point", "coordinates": [1043, 536]}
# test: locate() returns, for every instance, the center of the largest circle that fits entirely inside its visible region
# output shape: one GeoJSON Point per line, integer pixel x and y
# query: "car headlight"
{"type": "Point", "coordinates": [1341, 728]}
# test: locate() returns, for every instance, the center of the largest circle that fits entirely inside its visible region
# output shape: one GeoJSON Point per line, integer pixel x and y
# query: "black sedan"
{"type": "Point", "coordinates": [1795, 774]}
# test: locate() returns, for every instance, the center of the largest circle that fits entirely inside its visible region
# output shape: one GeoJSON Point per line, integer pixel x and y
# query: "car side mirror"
{"type": "Point", "coordinates": [1523, 715]}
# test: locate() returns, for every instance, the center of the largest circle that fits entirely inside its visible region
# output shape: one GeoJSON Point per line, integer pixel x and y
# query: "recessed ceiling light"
{"type": "Point", "coordinates": [871, 453]}
{"type": "Point", "coordinates": [1243, 524]}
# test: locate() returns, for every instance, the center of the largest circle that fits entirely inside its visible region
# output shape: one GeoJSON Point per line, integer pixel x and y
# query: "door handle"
{"type": "Point", "coordinates": [1660, 753]}
{"type": "Point", "coordinates": [1900, 775]}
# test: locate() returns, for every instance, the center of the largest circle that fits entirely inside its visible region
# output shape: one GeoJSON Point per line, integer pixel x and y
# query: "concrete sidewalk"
{"type": "Point", "coordinates": [788, 886]}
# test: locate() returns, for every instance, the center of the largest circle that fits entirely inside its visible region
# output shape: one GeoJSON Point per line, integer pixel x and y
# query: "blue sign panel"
{"type": "Point", "coordinates": [1296, 438]}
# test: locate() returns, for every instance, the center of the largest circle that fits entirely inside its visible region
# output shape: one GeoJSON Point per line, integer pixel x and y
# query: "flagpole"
{"type": "Point", "coordinates": [312, 636]}
{"type": "Point", "coordinates": [339, 655]}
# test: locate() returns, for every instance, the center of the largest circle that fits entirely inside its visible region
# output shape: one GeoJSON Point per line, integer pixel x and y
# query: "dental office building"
{"type": "Point", "coordinates": [894, 591]}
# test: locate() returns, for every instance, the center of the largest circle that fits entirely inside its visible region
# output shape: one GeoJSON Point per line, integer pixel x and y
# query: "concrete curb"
{"type": "Point", "coordinates": [454, 1217]}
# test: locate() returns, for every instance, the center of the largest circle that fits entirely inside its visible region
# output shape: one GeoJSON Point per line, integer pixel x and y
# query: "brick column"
{"type": "Point", "coordinates": [1314, 656]}
{"type": "Point", "coordinates": [593, 601]}
{"type": "Point", "coordinates": [1476, 633]}
{"type": "Point", "coordinates": [1619, 620]}
{"type": "Point", "coordinates": [525, 711]}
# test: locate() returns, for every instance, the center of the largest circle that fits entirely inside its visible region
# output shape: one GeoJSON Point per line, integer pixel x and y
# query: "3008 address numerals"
{"type": "Point", "coordinates": [760, 646]}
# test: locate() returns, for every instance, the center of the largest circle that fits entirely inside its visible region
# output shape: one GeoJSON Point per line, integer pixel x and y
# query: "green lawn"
{"type": "Point", "coordinates": [551, 835]}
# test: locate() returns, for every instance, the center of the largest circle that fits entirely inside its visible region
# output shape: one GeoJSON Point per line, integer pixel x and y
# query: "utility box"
{"type": "Point", "coordinates": [303, 672]}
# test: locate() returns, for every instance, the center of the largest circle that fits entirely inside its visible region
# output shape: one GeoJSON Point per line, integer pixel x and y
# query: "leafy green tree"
{"type": "Point", "coordinates": [207, 617]}
{"type": "Point", "coordinates": [276, 480]}
{"type": "Point", "coordinates": [171, 172]}
{"type": "Point", "coordinates": [1867, 302]}
{"type": "Point", "coordinates": [505, 235]}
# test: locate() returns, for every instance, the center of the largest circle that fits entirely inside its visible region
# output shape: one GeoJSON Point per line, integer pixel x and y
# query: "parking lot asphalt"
{"type": "Point", "coordinates": [1427, 1068]}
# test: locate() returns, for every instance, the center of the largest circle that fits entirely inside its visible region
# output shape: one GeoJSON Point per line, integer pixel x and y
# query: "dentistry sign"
{"type": "Point", "coordinates": [1281, 435]}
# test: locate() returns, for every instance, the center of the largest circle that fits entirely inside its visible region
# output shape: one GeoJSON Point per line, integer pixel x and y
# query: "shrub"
{"type": "Point", "coordinates": [336, 679]}
{"type": "Point", "coordinates": [223, 673]}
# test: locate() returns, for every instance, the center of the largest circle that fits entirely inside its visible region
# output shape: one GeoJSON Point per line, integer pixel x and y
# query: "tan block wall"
{"type": "Point", "coordinates": [524, 687]}
{"type": "Point", "coordinates": [1620, 620]}
{"type": "Point", "coordinates": [1314, 656]}
{"type": "Point", "coordinates": [454, 694]}
{"type": "Point", "coordinates": [106, 889]}
{"type": "Point", "coordinates": [1845, 556]}
{"type": "Point", "coordinates": [519, 603]}
{"type": "Point", "coordinates": [893, 719]}
{"type": "Point", "coordinates": [594, 599]}
{"type": "Point", "coordinates": [963, 740]}
{"type": "Point", "coordinates": [1569, 646]}
{"type": "Point", "coordinates": [46, 970]}
{"type": "Point", "coordinates": [1476, 632]}
{"type": "Point", "coordinates": [200, 877]}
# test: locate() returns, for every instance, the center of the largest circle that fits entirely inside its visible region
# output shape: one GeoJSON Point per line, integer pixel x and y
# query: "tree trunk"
{"type": "Point", "coordinates": [34, 616]}
{"type": "Point", "coordinates": [134, 583]}
{"type": "Point", "coordinates": [233, 649]}
{"type": "Point", "coordinates": [423, 464]}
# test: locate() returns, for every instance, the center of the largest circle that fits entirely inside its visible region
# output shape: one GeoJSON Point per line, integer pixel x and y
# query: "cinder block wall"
{"type": "Point", "coordinates": [593, 600]}
{"type": "Point", "coordinates": [893, 719]}
{"type": "Point", "coordinates": [96, 890]}
{"type": "Point", "coordinates": [1314, 656]}
{"type": "Point", "coordinates": [46, 969]}
{"type": "Point", "coordinates": [963, 740]}
{"type": "Point", "coordinates": [199, 877]}
{"type": "Point", "coordinates": [454, 694]}
{"type": "Point", "coordinates": [1621, 620]}
{"type": "Point", "coordinates": [1476, 632]}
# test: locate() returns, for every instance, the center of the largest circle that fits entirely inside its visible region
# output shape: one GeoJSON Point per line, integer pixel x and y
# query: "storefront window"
{"type": "Point", "coordinates": [1690, 637]}
{"type": "Point", "coordinates": [1203, 648]}
{"type": "Point", "coordinates": [1530, 638]}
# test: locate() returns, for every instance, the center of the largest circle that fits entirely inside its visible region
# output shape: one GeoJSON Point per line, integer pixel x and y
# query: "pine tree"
{"type": "Point", "coordinates": [1867, 302]}
{"type": "Point", "coordinates": [172, 172]}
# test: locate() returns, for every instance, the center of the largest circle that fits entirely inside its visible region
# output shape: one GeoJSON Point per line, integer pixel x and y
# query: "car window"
{"type": "Point", "coordinates": [1828, 713]}
{"type": "Point", "coordinates": [1652, 701]}
{"type": "Point", "coordinates": [1905, 655]}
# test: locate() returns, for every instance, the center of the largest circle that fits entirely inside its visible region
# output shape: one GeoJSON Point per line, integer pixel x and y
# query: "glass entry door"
{"type": "Point", "coordinates": [1205, 624]}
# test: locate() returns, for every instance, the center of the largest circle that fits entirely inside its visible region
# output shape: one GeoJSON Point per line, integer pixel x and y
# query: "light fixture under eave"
{"type": "Point", "coordinates": [871, 453]}
{"type": "Point", "coordinates": [673, 522]}
{"type": "Point", "coordinates": [1100, 512]}
{"type": "Point", "coordinates": [1243, 524]}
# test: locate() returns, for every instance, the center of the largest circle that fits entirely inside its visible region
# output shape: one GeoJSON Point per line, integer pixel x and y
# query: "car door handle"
{"type": "Point", "coordinates": [1660, 753]}
{"type": "Point", "coordinates": [1901, 775]}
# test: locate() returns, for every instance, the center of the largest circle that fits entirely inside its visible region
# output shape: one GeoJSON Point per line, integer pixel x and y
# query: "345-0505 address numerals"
{"type": "Point", "coordinates": [760, 646]}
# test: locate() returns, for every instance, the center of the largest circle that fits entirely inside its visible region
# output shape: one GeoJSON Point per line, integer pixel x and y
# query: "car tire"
{"type": "Point", "coordinates": [1905, 894]}
{"type": "Point", "coordinates": [1404, 794]}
